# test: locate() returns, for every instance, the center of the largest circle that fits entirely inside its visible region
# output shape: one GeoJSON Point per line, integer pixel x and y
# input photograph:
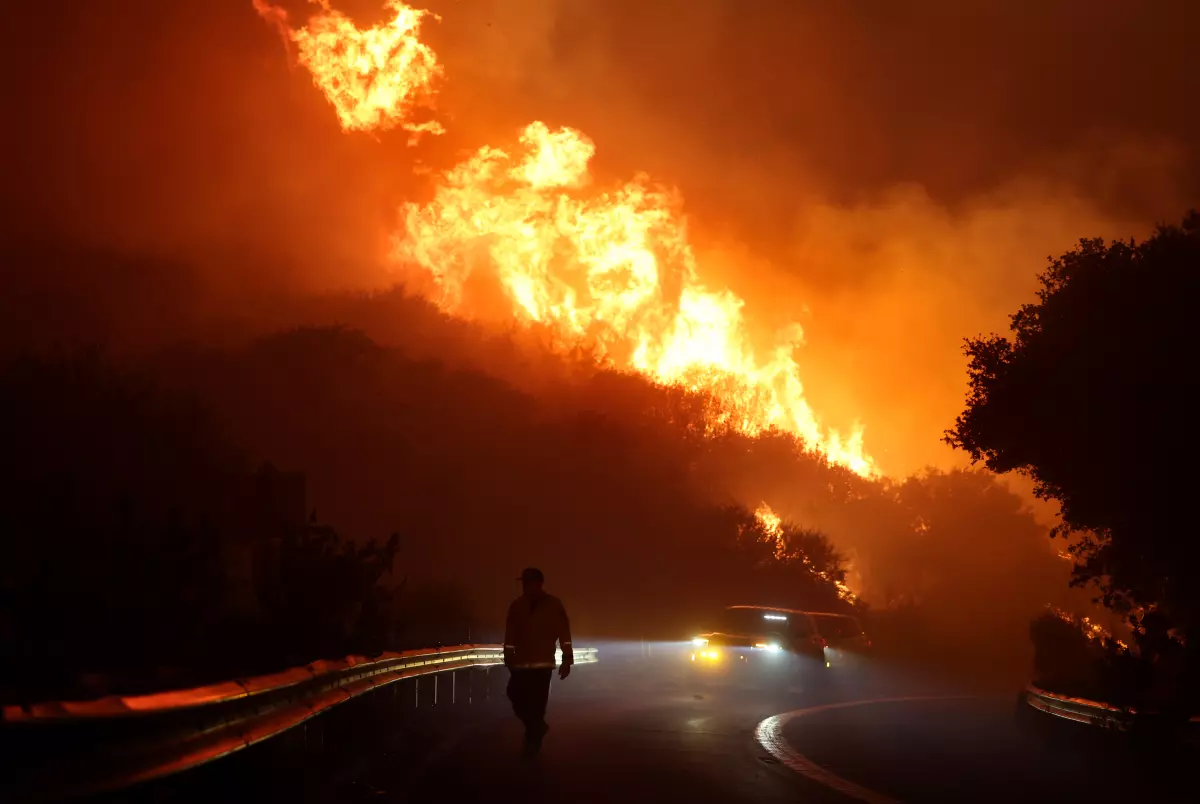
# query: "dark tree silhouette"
{"type": "Point", "coordinates": [127, 513]}
{"type": "Point", "coordinates": [1091, 396]}
{"type": "Point", "coordinates": [321, 590]}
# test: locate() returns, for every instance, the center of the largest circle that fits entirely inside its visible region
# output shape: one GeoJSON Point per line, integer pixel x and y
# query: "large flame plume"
{"type": "Point", "coordinates": [611, 268]}
{"type": "Point", "coordinates": [375, 78]}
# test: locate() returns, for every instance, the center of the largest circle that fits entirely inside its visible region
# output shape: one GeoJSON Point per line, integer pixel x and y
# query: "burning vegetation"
{"type": "Point", "coordinates": [625, 413]}
{"type": "Point", "coordinates": [608, 268]}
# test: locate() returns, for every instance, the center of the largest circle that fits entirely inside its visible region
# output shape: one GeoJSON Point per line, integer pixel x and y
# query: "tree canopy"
{"type": "Point", "coordinates": [1090, 396]}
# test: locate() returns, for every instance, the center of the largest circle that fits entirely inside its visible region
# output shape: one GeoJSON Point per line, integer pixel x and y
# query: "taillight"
{"type": "Point", "coordinates": [820, 640]}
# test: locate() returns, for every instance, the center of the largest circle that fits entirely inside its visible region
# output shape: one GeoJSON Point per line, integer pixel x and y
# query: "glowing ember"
{"type": "Point", "coordinates": [375, 78]}
{"type": "Point", "coordinates": [1093, 631]}
{"type": "Point", "coordinates": [612, 268]}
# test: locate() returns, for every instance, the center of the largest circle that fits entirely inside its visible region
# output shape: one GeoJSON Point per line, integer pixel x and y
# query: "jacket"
{"type": "Point", "coordinates": [531, 631]}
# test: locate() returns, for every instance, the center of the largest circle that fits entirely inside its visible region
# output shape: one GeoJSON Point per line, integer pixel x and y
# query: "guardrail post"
{"type": "Point", "coordinates": [314, 735]}
{"type": "Point", "coordinates": [426, 690]}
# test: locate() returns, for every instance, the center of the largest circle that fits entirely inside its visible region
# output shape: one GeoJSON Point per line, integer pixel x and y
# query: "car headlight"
{"type": "Point", "coordinates": [700, 642]}
{"type": "Point", "coordinates": [769, 646]}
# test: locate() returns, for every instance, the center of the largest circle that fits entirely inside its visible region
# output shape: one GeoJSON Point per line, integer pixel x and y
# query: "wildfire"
{"type": "Point", "coordinates": [1093, 631]}
{"type": "Point", "coordinates": [612, 268]}
{"type": "Point", "coordinates": [772, 525]}
{"type": "Point", "coordinates": [770, 521]}
{"type": "Point", "coordinates": [374, 78]}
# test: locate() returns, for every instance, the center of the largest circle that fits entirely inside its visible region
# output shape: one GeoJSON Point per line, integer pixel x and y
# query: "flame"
{"type": "Point", "coordinates": [612, 268]}
{"type": "Point", "coordinates": [1093, 631]}
{"type": "Point", "coordinates": [769, 520]}
{"type": "Point", "coordinates": [376, 77]}
{"type": "Point", "coordinates": [772, 525]}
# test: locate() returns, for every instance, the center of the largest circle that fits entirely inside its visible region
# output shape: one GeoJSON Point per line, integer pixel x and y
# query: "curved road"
{"type": "Point", "coordinates": [628, 730]}
{"type": "Point", "coordinates": [626, 733]}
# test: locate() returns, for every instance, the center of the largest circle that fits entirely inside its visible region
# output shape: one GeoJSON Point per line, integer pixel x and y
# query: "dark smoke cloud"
{"type": "Point", "coordinates": [847, 98]}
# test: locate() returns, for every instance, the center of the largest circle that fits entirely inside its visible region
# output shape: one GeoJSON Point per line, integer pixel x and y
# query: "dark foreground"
{"type": "Point", "coordinates": [625, 731]}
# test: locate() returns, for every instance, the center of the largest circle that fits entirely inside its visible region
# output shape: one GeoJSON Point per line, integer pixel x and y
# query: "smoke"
{"type": "Point", "coordinates": [893, 286]}
{"type": "Point", "coordinates": [892, 178]}
{"type": "Point", "coordinates": [889, 175]}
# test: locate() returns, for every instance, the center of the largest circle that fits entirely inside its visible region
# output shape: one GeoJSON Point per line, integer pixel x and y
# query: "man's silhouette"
{"type": "Point", "coordinates": [536, 621]}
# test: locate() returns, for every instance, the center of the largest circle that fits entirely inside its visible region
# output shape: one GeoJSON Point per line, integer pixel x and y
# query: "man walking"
{"type": "Point", "coordinates": [536, 621]}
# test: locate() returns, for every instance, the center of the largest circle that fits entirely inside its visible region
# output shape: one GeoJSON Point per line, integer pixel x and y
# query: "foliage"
{"type": "Point", "coordinates": [321, 595]}
{"type": "Point", "coordinates": [482, 475]}
{"type": "Point", "coordinates": [1090, 397]}
{"type": "Point", "coordinates": [640, 515]}
{"type": "Point", "coordinates": [126, 511]}
{"type": "Point", "coordinates": [1072, 658]}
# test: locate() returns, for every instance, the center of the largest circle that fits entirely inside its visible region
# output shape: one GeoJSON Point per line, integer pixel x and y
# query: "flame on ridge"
{"type": "Point", "coordinates": [614, 268]}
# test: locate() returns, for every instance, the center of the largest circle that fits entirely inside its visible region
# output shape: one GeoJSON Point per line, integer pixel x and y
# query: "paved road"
{"type": "Point", "coordinates": [623, 731]}
{"type": "Point", "coordinates": [622, 736]}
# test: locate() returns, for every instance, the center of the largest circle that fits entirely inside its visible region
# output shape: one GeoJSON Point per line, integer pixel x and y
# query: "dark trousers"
{"type": "Point", "coordinates": [529, 689]}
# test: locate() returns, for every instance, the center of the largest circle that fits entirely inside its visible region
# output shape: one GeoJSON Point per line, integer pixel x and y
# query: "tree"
{"type": "Point", "coordinates": [324, 597]}
{"type": "Point", "coordinates": [115, 497]}
{"type": "Point", "coordinates": [1091, 398]}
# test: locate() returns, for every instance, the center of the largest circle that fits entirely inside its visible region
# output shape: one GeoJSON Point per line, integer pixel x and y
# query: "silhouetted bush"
{"type": "Point", "coordinates": [131, 531]}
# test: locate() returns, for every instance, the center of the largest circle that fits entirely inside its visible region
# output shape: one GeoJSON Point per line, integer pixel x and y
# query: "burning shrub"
{"type": "Point", "coordinates": [1074, 656]}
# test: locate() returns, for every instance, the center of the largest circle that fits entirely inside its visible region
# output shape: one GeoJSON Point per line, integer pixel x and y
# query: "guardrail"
{"type": "Point", "coordinates": [1081, 710]}
{"type": "Point", "coordinates": [65, 749]}
{"type": "Point", "coordinates": [1147, 728]}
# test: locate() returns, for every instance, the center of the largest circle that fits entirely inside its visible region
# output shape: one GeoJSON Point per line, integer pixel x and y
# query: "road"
{"type": "Point", "coordinates": [630, 730]}
{"type": "Point", "coordinates": [625, 736]}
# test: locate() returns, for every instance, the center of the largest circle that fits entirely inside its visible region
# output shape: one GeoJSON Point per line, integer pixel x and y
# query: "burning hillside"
{"type": "Point", "coordinates": [608, 267]}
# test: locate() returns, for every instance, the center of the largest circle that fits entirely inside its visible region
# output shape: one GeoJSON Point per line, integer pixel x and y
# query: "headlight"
{"type": "Point", "coordinates": [699, 642]}
{"type": "Point", "coordinates": [771, 646]}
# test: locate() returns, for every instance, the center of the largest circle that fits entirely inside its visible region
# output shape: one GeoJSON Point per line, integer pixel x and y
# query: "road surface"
{"type": "Point", "coordinates": [623, 733]}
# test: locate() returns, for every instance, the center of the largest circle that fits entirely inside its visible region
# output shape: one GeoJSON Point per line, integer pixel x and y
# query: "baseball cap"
{"type": "Point", "coordinates": [531, 574]}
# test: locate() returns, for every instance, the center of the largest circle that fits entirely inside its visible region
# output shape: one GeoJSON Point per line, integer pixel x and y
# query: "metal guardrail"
{"type": "Point", "coordinates": [1081, 710]}
{"type": "Point", "coordinates": [84, 747]}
